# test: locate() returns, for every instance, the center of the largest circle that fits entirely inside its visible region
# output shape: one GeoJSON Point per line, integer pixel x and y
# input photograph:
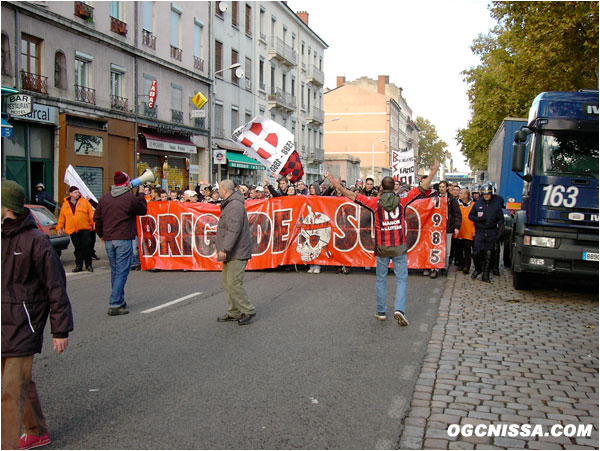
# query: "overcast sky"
{"type": "Point", "coordinates": [422, 45]}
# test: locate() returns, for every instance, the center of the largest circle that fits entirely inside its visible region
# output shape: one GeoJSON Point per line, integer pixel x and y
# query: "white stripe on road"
{"type": "Point", "coordinates": [171, 303]}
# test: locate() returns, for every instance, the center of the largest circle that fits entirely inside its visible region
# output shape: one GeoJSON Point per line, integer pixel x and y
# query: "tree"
{"type": "Point", "coordinates": [536, 47]}
{"type": "Point", "coordinates": [431, 147]}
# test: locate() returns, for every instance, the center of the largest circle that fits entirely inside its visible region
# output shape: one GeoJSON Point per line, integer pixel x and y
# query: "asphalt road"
{"type": "Point", "coordinates": [314, 370]}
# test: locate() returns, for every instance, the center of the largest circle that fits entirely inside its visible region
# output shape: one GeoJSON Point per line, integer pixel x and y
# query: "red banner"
{"type": "Point", "coordinates": [287, 230]}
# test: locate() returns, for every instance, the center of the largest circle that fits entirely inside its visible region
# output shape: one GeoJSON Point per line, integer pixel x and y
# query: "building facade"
{"type": "Point", "coordinates": [368, 119]}
{"type": "Point", "coordinates": [89, 72]}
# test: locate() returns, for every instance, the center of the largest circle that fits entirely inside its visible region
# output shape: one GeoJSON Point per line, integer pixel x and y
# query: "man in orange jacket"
{"type": "Point", "coordinates": [77, 220]}
{"type": "Point", "coordinates": [466, 232]}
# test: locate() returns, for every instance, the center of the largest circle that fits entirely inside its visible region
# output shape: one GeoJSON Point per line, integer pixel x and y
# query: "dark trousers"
{"type": "Point", "coordinates": [464, 253]}
{"type": "Point", "coordinates": [20, 402]}
{"type": "Point", "coordinates": [484, 240]}
{"type": "Point", "coordinates": [83, 252]}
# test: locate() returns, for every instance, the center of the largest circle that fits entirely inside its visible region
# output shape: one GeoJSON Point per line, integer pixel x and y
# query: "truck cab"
{"type": "Point", "coordinates": [556, 231]}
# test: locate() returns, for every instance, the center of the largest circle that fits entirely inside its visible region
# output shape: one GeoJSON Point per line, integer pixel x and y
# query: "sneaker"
{"type": "Point", "coordinates": [114, 311]}
{"type": "Point", "coordinates": [33, 441]}
{"type": "Point", "coordinates": [246, 318]}
{"type": "Point", "coordinates": [433, 274]}
{"type": "Point", "coordinates": [399, 316]}
{"type": "Point", "coordinates": [426, 272]}
{"type": "Point", "coordinates": [311, 269]}
{"type": "Point", "coordinates": [317, 269]}
{"type": "Point", "coordinates": [380, 316]}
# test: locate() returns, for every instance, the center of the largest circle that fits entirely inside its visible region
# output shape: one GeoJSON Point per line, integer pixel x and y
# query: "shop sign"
{"type": "Point", "coordinates": [219, 156]}
{"type": "Point", "coordinates": [18, 104]}
{"type": "Point", "coordinates": [42, 113]}
{"type": "Point", "coordinates": [170, 146]}
{"type": "Point", "coordinates": [152, 95]}
{"type": "Point", "coordinates": [194, 169]}
{"type": "Point", "coordinates": [197, 113]}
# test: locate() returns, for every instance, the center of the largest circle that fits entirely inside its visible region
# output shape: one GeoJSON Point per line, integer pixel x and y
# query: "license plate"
{"type": "Point", "coordinates": [591, 256]}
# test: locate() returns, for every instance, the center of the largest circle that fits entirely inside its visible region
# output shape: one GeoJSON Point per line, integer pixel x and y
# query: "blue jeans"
{"type": "Point", "coordinates": [120, 256]}
{"type": "Point", "coordinates": [136, 252]}
{"type": "Point", "coordinates": [401, 271]}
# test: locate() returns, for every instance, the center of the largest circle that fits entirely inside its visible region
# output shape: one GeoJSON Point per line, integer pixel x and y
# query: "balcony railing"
{"type": "Point", "coordinates": [280, 99]}
{"type": "Point", "coordinates": [200, 122]}
{"type": "Point", "coordinates": [316, 115]}
{"type": "Point", "coordinates": [148, 39]}
{"type": "Point", "coordinates": [118, 103]}
{"type": "Point", "coordinates": [85, 94]}
{"type": "Point", "coordinates": [316, 76]}
{"type": "Point", "coordinates": [118, 26]}
{"type": "Point", "coordinates": [198, 63]}
{"type": "Point", "coordinates": [177, 116]}
{"type": "Point", "coordinates": [317, 154]}
{"type": "Point", "coordinates": [176, 53]}
{"type": "Point", "coordinates": [283, 52]}
{"type": "Point", "coordinates": [149, 112]}
{"type": "Point", "coordinates": [34, 82]}
{"type": "Point", "coordinates": [86, 12]}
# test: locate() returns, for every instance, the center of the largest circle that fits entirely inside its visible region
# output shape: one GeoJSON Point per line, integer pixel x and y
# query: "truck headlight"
{"type": "Point", "coordinates": [540, 241]}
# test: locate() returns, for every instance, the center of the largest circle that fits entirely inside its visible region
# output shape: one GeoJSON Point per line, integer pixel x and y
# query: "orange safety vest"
{"type": "Point", "coordinates": [467, 227]}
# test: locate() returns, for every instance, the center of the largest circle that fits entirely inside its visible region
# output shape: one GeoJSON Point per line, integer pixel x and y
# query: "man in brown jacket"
{"type": "Point", "coordinates": [234, 249]}
{"type": "Point", "coordinates": [33, 285]}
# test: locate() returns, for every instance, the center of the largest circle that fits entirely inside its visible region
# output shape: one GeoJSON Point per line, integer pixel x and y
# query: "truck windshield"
{"type": "Point", "coordinates": [567, 152]}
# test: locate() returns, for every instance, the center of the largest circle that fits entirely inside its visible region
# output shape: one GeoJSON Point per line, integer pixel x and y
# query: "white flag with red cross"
{"type": "Point", "coordinates": [267, 142]}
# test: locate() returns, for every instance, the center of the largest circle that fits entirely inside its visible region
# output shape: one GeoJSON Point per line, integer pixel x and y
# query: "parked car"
{"type": "Point", "coordinates": [46, 222]}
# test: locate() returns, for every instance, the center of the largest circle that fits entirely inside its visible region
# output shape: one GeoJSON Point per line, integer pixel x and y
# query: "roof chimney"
{"type": "Point", "coordinates": [303, 15]}
{"type": "Point", "coordinates": [340, 80]}
{"type": "Point", "coordinates": [382, 80]}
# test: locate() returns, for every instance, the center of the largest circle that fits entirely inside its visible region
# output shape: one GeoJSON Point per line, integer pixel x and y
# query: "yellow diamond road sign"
{"type": "Point", "coordinates": [199, 100]}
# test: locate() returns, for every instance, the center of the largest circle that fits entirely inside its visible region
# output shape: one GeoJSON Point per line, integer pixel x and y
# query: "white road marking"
{"type": "Point", "coordinates": [171, 303]}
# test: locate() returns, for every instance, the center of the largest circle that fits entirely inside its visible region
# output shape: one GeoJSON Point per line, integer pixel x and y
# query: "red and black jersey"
{"type": "Point", "coordinates": [389, 225]}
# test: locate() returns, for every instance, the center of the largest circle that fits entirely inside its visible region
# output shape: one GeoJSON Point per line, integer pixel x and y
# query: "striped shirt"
{"type": "Point", "coordinates": [389, 225]}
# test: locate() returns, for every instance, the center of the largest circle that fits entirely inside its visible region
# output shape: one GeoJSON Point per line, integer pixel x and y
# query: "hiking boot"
{"type": "Point", "coordinates": [399, 316]}
{"type": "Point", "coordinates": [114, 311]}
{"type": "Point", "coordinates": [380, 316]}
{"type": "Point", "coordinates": [246, 318]}
{"type": "Point", "coordinates": [33, 441]}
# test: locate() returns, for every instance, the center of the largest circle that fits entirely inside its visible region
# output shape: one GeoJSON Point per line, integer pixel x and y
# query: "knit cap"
{"type": "Point", "coordinates": [121, 178]}
{"type": "Point", "coordinates": [13, 196]}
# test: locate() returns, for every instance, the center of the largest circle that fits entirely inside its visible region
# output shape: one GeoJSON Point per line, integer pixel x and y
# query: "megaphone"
{"type": "Point", "coordinates": [147, 176]}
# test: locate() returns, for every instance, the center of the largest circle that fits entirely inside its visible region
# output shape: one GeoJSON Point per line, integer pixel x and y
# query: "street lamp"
{"type": "Point", "coordinates": [373, 157]}
{"type": "Point", "coordinates": [239, 73]}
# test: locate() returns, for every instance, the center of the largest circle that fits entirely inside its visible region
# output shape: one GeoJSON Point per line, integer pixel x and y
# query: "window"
{"type": "Point", "coordinates": [284, 33]}
{"type": "Point", "coordinates": [198, 45]}
{"type": "Point", "coordinates": [175, 20]}
{"type": "Point", "coordinates": [248, 117]}
{"type": "Point", "coordinates": [235, 118]}
{"type": "Point", "coordinates": [234, 14]}
{"type": "Point", "coordinates": [248, 73]}
{"type": "Point", "coordinates": [30, 54]}
{"type": "Point", "coordinates": [283, 83]}
{"type": "Point", "coordinates": [309, 98]}
{"type": "Point", "coordinates": [293, 87]}
{"type": "Point", "coordinates": [261, 23]}
{"type": "Point", "coordinates": [248, 19]}
{"type": "Point", "coordinates": [116, 83]}
{"type": "Point", "coordinates": [218, 58]}
{"type": "Point", "coordinates": [148, 16]}
{"type": "Point", "coordinates": [176, 104]}
{"type": "Point", "coordinates": [116, 10]}
{"type": "Point", "coordinates": [117, 101]}
{"type": "Point", "coordinates": [234, 60]}
{"type": "Point", "coordinates": [82, 72]}
{"type": "Point", "coordinates": [273, 20]}
{"type": "Point", "coordinates": [6, 59]}
{"type": "Point", "coordinates": [302, 95]}
{"type": "Point", "coordinates": [219, 120]}
{"type": "Point", "coordinates": [293, 41]}
{"type": "Point", "coordinates": [261, 74]}
{"type": "Point", "coordinates": [272, 79]}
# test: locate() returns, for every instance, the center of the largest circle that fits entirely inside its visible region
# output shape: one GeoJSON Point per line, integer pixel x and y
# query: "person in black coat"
{"type": "Point", "coordinates": [489, 222]}
{"type": "Point", "coordinates": [41, 197]}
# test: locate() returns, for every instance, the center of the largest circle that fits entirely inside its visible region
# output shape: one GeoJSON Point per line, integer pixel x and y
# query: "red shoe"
{"type": "Point", "coordinates": [33, 441]}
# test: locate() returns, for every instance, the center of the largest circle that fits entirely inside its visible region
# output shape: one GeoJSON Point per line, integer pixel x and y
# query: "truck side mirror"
{"type": "Point", "coordinates": [518, 156]}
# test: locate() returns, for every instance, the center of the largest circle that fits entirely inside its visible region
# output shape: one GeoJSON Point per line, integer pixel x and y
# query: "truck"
{"type": "Point", "coordinates": [555, 231]}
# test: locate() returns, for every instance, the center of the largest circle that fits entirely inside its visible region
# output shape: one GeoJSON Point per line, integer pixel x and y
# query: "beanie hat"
{"type": "Point", "coordinates": [13, 196]}
{"type": "Point", "coordinates": [121, 178]}
{"type": "Point", "coordinates": [73, 188]}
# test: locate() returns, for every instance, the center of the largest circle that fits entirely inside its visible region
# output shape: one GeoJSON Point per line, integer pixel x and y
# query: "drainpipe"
{"type": "Point", "coordinates": [211, 92]}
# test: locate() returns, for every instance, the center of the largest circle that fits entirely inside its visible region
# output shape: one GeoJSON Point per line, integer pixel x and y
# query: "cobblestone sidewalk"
{"type": "Point", "coordinates": [498, 356]}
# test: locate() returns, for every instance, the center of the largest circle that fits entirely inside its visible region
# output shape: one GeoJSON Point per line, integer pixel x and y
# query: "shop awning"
{"type": "Point", "coordinates": [6, 129]}
{"type": "Point", "coordinates": [228, 144]}
{"type": "Point", "coordinates": [170, 144]}
{"type": "Point", "coordinates": [239, 160]}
